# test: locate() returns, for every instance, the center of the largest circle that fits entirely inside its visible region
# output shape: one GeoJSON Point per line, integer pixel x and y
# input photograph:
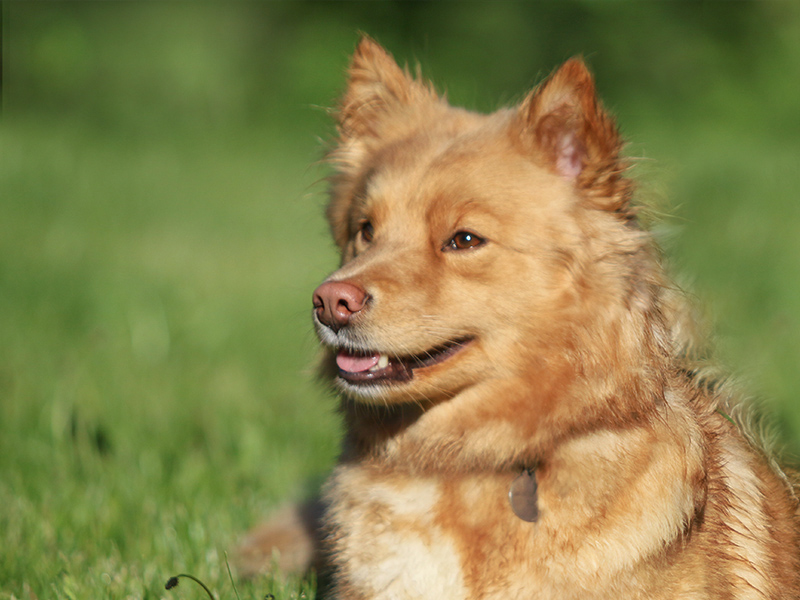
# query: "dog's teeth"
{"type": "Point", "coordinates": [382, 363]}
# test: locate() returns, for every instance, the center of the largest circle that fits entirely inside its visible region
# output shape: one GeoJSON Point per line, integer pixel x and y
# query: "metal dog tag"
{"type": "Point", "coordinates": [522, 496]}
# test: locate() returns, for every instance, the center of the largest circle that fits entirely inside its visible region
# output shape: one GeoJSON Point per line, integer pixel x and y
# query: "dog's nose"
{"type": "Point", "coordinates": [335, 302]}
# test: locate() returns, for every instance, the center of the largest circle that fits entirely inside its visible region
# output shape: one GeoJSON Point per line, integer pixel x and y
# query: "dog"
{"type": "Point", "coordinates": [522, 415]}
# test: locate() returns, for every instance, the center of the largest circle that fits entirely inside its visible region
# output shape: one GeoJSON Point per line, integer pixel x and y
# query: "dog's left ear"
{"type": "Point", "coordinates": [562, 122]}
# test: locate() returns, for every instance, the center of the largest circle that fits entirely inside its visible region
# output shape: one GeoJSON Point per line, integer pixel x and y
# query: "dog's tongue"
{"type": "Point", "coordinates": [356, 364]}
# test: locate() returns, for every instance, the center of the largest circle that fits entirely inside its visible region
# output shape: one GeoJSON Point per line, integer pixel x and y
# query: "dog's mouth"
{"type": "Point", "coordinates": [361, 368]}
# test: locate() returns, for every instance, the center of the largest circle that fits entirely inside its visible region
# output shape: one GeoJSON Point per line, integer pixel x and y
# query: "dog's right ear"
{"type": "Point", "coordinates": [378, 91]}
{"type": "Point", "coordinates": [382, 103]}
{"type": "Point", "coordinates": [376, 88]}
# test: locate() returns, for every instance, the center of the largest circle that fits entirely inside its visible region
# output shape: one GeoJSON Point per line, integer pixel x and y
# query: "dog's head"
{"type": "Point", "coordinates": [473, 246]}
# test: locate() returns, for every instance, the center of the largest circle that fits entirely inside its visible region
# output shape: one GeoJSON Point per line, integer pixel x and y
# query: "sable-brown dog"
{"type": "Point", "coordinates": [521, 419]}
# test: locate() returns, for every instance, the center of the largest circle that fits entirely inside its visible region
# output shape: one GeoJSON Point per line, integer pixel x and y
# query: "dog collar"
{"type": "Point", "coordinates": [523, 498]}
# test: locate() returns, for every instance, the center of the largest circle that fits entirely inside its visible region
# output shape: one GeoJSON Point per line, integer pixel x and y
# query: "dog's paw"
{"type": "Point", "coordinates": [288, 541]}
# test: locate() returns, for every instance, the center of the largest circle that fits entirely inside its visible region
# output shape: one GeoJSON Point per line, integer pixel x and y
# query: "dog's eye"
{"type": "Point", "coordinates": [366, 231]}
{"type": "Point", "coordinates": [464, 240]}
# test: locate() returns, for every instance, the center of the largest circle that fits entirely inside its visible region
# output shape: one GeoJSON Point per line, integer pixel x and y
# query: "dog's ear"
{"type": "Point", "coordinates": [382, 103]}
{"type": "Point", "coordinates": [378, 91]}
{"type": "Point", "coordinates": [563, 123]}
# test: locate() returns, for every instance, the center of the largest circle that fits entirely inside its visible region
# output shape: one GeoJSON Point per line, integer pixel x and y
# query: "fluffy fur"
{"type": "Point", "coordinates": [499, 309]}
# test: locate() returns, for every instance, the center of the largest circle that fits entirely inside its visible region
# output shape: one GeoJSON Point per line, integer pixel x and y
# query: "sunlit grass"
{"type": "Point", "coordinates": [156, 357]}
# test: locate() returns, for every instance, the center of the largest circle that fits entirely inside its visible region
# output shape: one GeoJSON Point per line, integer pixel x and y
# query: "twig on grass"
{"type": "Point", "coordinates": [173, 582]}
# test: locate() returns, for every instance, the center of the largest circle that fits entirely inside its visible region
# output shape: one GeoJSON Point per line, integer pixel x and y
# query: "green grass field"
{"type": "Point", "coordinates": [161, 233]}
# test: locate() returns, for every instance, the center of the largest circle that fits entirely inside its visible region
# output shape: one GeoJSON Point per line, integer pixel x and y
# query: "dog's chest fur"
{"type": "Point", "coordinates": [390, 530]}
{"type": "Point", "coordinates": [400, 536]}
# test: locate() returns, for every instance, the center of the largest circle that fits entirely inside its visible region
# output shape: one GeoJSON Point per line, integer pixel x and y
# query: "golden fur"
{"type": "Point", "coordinates": [502, 253]}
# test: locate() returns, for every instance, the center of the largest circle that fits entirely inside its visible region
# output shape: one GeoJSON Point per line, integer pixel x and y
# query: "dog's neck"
{"type": "Point", "coordinates": [369, 427]}
{"type": "Point", "coordinates": [541, 409]}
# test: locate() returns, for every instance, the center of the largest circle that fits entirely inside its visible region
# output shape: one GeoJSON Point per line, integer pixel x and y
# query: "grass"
{"type": "Point", "coordinates": [161, 232]}
{"type": "Point", "coordinates": [149, 366]}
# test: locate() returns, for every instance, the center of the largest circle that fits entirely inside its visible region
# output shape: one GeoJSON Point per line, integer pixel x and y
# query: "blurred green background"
{"type": "Point", "coordinates": [161, 232]}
